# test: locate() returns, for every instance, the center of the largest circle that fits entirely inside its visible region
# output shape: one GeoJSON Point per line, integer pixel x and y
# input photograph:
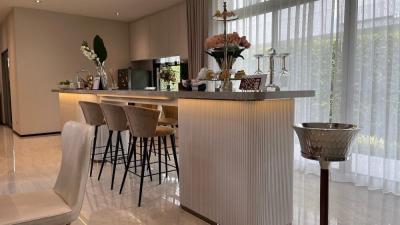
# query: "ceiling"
{"type": "Point", "coordinates": [128, 10]}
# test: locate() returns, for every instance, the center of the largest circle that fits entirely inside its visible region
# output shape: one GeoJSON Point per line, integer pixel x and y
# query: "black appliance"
{"type": "Point", "coordinates": [134, 79]}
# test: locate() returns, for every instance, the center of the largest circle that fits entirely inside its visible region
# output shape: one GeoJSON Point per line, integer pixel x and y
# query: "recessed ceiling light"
{"type": "Point", "coordinates": [38, 1]}
{"type": "Point", "coordinates": [117, 13]}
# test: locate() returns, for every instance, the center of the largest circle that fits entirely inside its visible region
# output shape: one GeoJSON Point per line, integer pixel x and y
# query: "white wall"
{"type": "Point", "coordinates": [48, 51]}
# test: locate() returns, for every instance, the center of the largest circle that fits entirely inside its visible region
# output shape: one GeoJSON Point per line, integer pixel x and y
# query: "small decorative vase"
{"type": "Point", "coordinates": [101, 72]}
{"type": "Point", "coordinates": [226, 85]}
{"type": "Point", "coordinates": [168, 87]}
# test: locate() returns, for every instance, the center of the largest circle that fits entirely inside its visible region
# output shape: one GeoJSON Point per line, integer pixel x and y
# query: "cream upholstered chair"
{"type": "Point", "coordinates": [62, 204]}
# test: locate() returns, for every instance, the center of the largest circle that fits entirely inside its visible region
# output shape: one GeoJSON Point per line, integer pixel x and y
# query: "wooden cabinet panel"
{"type": "Point", "coordinates": [160, 35]}
{"type": "Point", "coordinates": [183, 31]}
{"type": "Point", "coordinates": [132, 41]}
{"type": "Point", "coordinates": [178, 35]}
{"type": "Point", "coordinates": [174, 31]}
{"type": "Point", "coordinates": [140, 39]}
{"type": "Point", "coordinates": [159, 38]}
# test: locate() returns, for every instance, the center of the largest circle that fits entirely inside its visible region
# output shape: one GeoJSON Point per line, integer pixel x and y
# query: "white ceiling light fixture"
{"type": "Point", "coordinates": [117, 13]}
{"type": "Point", "coordinates": [38, 1]}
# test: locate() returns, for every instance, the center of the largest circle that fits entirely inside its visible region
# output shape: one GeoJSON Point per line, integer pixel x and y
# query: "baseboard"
{"type": "Point", "coordinates": [198, 215]}
{"type": "Point", "coordinates": [38, 134]}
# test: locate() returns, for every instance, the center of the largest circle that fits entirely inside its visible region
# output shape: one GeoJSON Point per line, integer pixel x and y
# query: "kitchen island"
{"type": "Point", "coordinates": [236, 149]}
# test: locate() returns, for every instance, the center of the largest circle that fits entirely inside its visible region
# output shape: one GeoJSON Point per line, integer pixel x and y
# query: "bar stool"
{"type": "Point", "coordinates": [170, 116]}
{"type": "Point", "coordinates": [116, 122]}
{"type": "Point", "coordinates": [152, 144]}
{"type": "Point", "coordinates": [94, 117]}
{"type": "Point", "coordinates": [170, 119]}
{"type": "Point", "coordinates": [143, 124]}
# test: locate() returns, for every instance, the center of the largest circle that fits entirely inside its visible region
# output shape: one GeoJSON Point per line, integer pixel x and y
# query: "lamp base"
{"type": "Point", "coordinates": [324, 192]}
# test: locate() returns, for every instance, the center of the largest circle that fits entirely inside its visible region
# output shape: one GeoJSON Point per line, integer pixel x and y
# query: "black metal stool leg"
{"type": "Point", "coordinates": [142, 172]}
{"type": "Point", "coordinates": [165, 155]}
{"type": "Point", "coordinates": [130, 142]}
{"type": "Point", "coordinates": [109, 146]}
{"type": "Point", "coordinates": [154, 144]}
{"type": "Point", "coordinates": [93, 149]}
{"type": "Point", "coordinates": [169, 157]}
{"type": "Point", "coordinates": [159, 160]}
{"type": "Point", "coordinates": [111, 152]}
{"type": "Point", "coordinates": [152, 147]}
{"type": "Point", "coordinates": [115, 162]}
{"type": "Point", "coordinates": [122, 149]}
{"type": "Point", "coordinates": [141, 149]}
{"type": "Point", "coordinates": [133, 147]}
{"type": "Point", "coordinates": [148, 166]}
{"type": "Point", "coordinates": [127, 166]}
{"type": "Point", "coordinates": [174, 153]}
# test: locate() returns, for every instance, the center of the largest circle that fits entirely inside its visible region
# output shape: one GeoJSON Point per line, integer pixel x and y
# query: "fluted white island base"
{"type": "Point", "coordinates": [236, 160]}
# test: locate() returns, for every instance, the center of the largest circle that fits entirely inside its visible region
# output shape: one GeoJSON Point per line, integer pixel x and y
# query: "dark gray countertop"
{"type": "Point", "coordinates": [230, 96]}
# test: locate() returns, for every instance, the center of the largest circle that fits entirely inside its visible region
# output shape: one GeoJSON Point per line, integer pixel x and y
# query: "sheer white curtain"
{"type": "Point", "coordinates": [374, 96]}
{"type": "Point", "coordinates": [346, 47]}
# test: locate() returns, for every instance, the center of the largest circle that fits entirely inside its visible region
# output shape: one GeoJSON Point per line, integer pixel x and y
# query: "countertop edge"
{"type": "Point", "coordinates": [227, 96]}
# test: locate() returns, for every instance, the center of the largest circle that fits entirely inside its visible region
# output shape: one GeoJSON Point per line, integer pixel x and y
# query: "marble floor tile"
{"type": "Point", "coordinates": [30, 164]}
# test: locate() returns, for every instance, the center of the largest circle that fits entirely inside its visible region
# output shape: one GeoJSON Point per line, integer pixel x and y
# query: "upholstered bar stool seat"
{"type": "Point", "coordinates": [163, 131]}
{"type": "Point", "coordinates": [168, 122]}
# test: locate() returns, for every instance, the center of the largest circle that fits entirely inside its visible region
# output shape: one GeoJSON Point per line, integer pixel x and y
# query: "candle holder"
{"type": "Point", "coordinates": [284, 71]}
{"type": "Point", "coordinates": [259, 71]}
{"type": "Point", "coordinates": [271, 86]}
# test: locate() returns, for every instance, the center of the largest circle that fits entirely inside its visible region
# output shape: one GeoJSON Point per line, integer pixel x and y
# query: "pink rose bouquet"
{"type": "Point", "coordinates": [217, 41]}
{"type": "Point", "coordinates": [236, 45]}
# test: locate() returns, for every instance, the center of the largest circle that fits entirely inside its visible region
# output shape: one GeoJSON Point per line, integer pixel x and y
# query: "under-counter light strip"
{"type": "Point", "coordinates": [135, 96]}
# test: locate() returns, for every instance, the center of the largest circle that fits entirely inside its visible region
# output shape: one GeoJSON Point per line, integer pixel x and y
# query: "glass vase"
{"type": "Point", "coordinates": [101, 72]}
{"type": "Point", "coordinates": [226, 85]}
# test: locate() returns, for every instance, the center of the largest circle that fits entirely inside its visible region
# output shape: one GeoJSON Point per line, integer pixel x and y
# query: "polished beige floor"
{"type": "Point", "coordinates": [29, 164]}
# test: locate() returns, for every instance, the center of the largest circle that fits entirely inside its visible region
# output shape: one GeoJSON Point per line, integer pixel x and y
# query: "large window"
{"type": "Point", "coordinates": [349, 52]}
